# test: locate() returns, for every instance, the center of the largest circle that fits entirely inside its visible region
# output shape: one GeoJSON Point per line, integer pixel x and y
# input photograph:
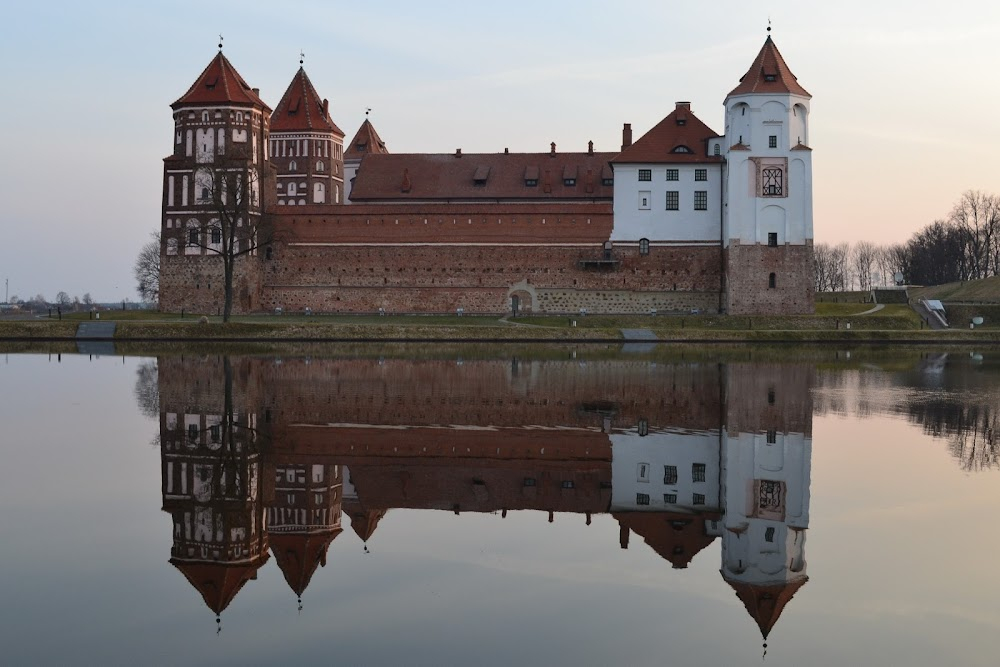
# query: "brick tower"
{"type": "Point", "coordinates": [307, 147]}
{"type": "Point", "coordinates": [768, 222]}
{"type": "Point", "coordinates": [215, 184]}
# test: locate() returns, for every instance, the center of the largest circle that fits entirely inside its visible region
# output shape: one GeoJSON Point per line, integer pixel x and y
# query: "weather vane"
{"type": "Point", "coordinates": [302, 56]}
{"type": "Point", "coordinates": [368, 111]}
{"type": "Point", "coordinates": [220, 42]}
{"type": "Point", "coordinates": [769, 24]}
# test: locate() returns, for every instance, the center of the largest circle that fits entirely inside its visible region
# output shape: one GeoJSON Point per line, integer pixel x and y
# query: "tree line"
{"type": "Point", "coordinates": [963, 246]}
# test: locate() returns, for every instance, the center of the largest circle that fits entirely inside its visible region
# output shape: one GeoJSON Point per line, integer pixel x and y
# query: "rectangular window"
{"type": "Point", "coordinates": [607, 181]}
{"type": "Point", "coordinates": [670, 498]}
{"type": "Point", "coordinates": [669, 474]}
{"type": "Point", "coordinates": [673, 200]}
{"type": "Point", "coordinates": [673, 175]}
{"type": "Point", "coordinates": [192, 237]}
{"type": "Point", "coordinates": [698, 499]}
{"type": "Point", "coordinates": [769, 534]}
{"type": "Point", "coordinates": [645, 174]}
{"type": "Point", "coordinates": [531, 182]}
{"type": "Point", "coordinates": [701, 200]}
{"type": "Point", "coordinates": [642, 499]}
{"type": "Point", "coordinates": [642, 472]}
{"type": "Point", "coordinates": [772, 437]}
{"type": "Point", "coordinates": [216, 235]}
{"type": "Point", "coordinates": [701, 174]}
{"type": "Point", "coordinates": [644, 200]}
{"type": "Point", "coordinates": [529, 481]}
{"type": "Point", "coordinates": [567, 484]}
{"type": "Point", "coordinates": [772, 141]}
{"type": "Point", "coordinates": [698, 472]}
{"type": "Point", "coordinates": [772, 179]}
{"type": "Point", "coordinates": [772, 239]}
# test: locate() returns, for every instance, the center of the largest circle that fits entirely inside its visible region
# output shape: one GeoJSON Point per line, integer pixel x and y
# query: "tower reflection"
{"type": "Point", "coordinates": [264, 455]}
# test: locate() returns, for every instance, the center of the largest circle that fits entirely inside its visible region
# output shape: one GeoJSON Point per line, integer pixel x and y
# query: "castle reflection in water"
{"type": "Point", "coordinates": [263, 456]}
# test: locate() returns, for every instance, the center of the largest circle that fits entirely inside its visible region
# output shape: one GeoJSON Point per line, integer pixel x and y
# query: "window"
{"type": "Point", "coordinates": [607, 181]}
{"type": "Point", "coordinates": [772, 178]}
{"type": "Point", "coordinates": [682, 149]}
{"type": "Point", "coordinates": [772, 281]}
{"type": "Point", "coordinates": [698, 472]}
{"type": "Point", "coordinates": [239, 116]}
{"type": "Point", "coordinates": [669, 474]}
{"type": "Point", "coordinates": [204, 116]}
{"type": "Point", "coordinates": [644, 200]}
{"type": "Point", "coordinates": [216, 235]}
{"type": "Point", "coordinates": [772, 239]}
{"type": "Point", "coordinates": [319, 165]}
{"type": "Point", "coordinates": [192, 431]}
{"type": "Point", "coordinates": [698, 499]}
{"type": "Point", "coordinates": [642, 472]}
{"type": "Point", "coordinates": [673, 200]}
{"type": "Point", "coordinates": [529, 481]}
{"type": "Point", "coordinates": [670, 498]}
{"type": "Point", "coordinates": [673, 174]}
{"type": "Point", "coordinates": [769, 534]}
{"type": "Point", "coordinates": [569, 182]}
{"type": "Point", "coordinates": [772, 437]}
{"type": "Point", "coordinates": [192, 237]}
{"type": "Point", "coordinates": [772, 141]}
{"type": "Point", "coordinates": [267, 253]}
{"type": "Point", "coordinates": [292, 166]}
{"type": "Point", "coordinates": [701, 174]}
{"type": "Point", "coordinates": [204, 193]}
{"type": "Point", "coordinates": [717, 150]}
{"type": "Point", "coordinates": [215, 432]}
{"type": "Point", "coordinates": [643, 250]}
{"type": "Point", "coordinates": [645, 174]}
{"type": "Point", "coordinates": [567, 484]}
{"type": "Point", "coordinates": [701, 200]}
{"type": "Point", "coordinates": [642, 499]}
{"type": "Point", "coordinates": [531, 182]}
{"type": "Point", "coordinates": [770, 396]}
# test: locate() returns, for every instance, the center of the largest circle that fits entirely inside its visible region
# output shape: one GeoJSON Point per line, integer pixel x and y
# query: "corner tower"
{"type": "Point", "coordinates": [768, 222]}
{"type": "Point", "coordinates": [307, 147]}
{"type": "Point", "coordinates": [221, 129]}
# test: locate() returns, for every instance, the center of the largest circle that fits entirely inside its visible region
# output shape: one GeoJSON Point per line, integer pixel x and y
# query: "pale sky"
{"type": "Point", "coordinates": [903, 94]}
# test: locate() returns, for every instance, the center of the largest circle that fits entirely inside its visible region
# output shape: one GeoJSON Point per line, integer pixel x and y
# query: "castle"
{"type": "Point", "coordinates": [683, 219]}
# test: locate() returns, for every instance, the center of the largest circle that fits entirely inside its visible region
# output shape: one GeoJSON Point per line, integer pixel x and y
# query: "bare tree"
{"type": "Point", "coordinates": [87, 299]}
{"type": "Point", "coordinates": [63, 299]}
{"type": "Point", "coordinates": [231, 186]}
{"type": "Point", "coordinates": [146, 270]}
{"type": "Point", "coordinates": [976, 214]}
{"type": "Point", "coordinates": [864, 257]}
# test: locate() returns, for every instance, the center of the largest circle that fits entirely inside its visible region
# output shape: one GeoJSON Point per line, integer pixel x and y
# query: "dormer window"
{"type": "Point", "coordinates": [682, 121]}
{"type": "Point", "coordinates": [531, 182]}
{"type": "Point", "coordinates": [770, 77]}
{"type": "Point", "coordinates": [607, 181]}
{"type": "Point", "coordinates": [682, 149]}
{"type": "Point", "coordinates": [481, 175]}
{"type": "Point", "coordinates": [531, 174]}
{"type": "Point", "coordinates": [569, 182]}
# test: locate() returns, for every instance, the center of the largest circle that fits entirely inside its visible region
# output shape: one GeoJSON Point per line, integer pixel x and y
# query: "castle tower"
{"type": "Point", "coordinates": [364, 142]}
{"type": "Point", "coordinates": [304, 519]}
{"type": "Point", "coordinates": [768, 223]}
{"type": "Point", "coordinates": [307, 147]}
{"type": "Point", "coordinates": [766, 469]}
{"type": "Point", "coordinates": [220, 129]}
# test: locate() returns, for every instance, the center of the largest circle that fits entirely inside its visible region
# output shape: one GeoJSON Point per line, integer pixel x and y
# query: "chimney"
{"type": "Point", "coordinates": [256, 91]}
{"type": "Point", "coordinates": [686, 106]}
{"type": "Point", "coordinates": [406, 181]}
{"type": "Point", "coordinates": [326, 107]}
{"type": "Point", "coordinates": [623, 535]}
{"type": "Point", "coordinates": [553, 149]}
{"type": "Point", "coordinates": [590, 148]}
{"type": "Point", "coordinates": [626, 136]}
{"type": "Point", "coordinates": [506, 151]}
{"type": "Point", "coordinates": [458, 152]}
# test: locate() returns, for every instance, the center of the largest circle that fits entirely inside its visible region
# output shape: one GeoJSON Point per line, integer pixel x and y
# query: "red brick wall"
{"type": "Point", "coordinates": [748, 268]}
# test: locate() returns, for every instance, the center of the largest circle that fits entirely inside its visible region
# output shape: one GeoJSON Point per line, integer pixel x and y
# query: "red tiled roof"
{"type": "Point", "coordinates": [675, 536]}
{"type": "Point", "coordinates": [364, 142]}
{"type": "Point", "coordinates": [302, 110]}
{"type": "Point", "coordinates": [437, 177]}
{"type": "Point", "coordinates": [218, 582]}
{"type": "Point", "coordinates": [680, 130]}
{"type": "Point", "coordinates": [220, 83]}
{"type": "Point", "coordinates": [299, 554]}
{"type": "Point", "coordinates": [765, 602]}
{"type": "Point", "coordinates": [769, 74]}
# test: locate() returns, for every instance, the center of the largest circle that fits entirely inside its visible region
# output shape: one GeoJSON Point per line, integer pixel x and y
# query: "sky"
{"type": "Point", "coordinates": [902, 94]}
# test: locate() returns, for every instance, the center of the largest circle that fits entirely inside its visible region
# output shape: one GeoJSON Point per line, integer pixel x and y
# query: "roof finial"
{"type": "Point", "coordinates": [769, 26]}
{"type": "Point", "coordinates": [302, 57]}
{"type": "Point", "coordinates": [368, 111]}
{"type": "Point", "coordinates": [220, 42]}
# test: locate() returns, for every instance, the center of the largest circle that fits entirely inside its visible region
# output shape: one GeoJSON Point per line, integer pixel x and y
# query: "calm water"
{"type": "Point", "coordinates": [554, 506]}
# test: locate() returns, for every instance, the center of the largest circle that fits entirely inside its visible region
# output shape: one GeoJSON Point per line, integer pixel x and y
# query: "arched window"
{"type": "Point", "coordinates": [319, 165]}
{"type": "Point", "coordinates": [291, 189]}
{"type": "Point", "coordinates": [204, 116]}
{"type": "Point", "coordinates": [292, 166]}
{"type": "Point", "coordinates": [643, 246]}
{"type": "Point", "coordinates": [268, 253]}
{"type": "Point", "coordinates": [772, 281]}
{"type": "Point", "coordinates": [239, 116]}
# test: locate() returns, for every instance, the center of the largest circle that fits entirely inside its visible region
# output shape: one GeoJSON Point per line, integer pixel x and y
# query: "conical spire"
{"type": "Point", "coordinates": [218, 583]}
{"type": "Point", "coordinates": [301, 109]}
{"type": "Point", "coordinates": [769, 74]}
{"type": "Point", "coordinates": [765, 602]}
{"type": "Point", "coordinates": [299, 554]}
{"type": "Point", "coordinates": [365, 141]}
{"type": "Point", "coordinates": [220, 83]}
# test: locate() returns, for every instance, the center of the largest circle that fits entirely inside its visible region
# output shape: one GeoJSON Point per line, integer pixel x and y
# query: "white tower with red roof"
{"type": "Point", "coordinates": [768, 220]}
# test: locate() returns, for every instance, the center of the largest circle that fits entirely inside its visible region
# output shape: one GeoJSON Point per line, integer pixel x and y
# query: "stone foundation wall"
{"type": "Point", "coordinates": [195, 284]}
{"type": "Point", "coordinates": [748, 271]}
